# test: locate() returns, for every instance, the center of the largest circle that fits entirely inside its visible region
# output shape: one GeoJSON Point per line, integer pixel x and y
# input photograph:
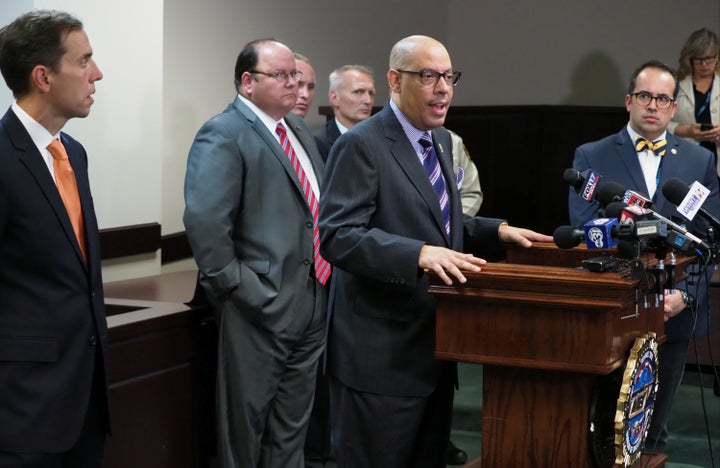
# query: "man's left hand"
{"type": "Point", "coordinates": [525, 237]}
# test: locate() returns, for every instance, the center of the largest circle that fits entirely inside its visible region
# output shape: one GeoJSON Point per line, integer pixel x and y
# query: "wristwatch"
{"type": "Point", "coordinates": [688, 299]}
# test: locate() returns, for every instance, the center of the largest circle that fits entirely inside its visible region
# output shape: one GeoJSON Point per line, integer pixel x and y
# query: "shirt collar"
{"type": "Point", "coordinates": [39, 134]}
{"type": "Point", "coordinates": [413, 134]}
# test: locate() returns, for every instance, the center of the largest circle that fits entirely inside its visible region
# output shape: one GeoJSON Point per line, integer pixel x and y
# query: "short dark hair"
{"type": "Point", "coordinates": [34, 38]}
{"type": "Point", "coordinates": [248, 58]}
{"type": "Point", "coordinates": [658, 65]}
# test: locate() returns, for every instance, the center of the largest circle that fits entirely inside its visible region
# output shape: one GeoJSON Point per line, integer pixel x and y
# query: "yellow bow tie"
{"type": "Point", "coordinates": [658, 146]}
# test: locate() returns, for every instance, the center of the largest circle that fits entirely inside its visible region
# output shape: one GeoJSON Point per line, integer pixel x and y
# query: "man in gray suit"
{"type": "Point", "coordinates": [383, 223]}
{"type": "Point", "coordinates": [251, 190]}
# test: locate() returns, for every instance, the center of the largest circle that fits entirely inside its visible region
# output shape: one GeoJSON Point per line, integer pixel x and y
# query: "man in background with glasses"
{"type": "Point", "coordinates": [389, 212]}
{"type": "Point", "coordinates": [641, 157]}
{"type": "Point", "coordinates": [251, 189]}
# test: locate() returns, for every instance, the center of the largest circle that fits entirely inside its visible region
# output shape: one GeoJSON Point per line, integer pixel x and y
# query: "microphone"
{"type": "Point", "coordinates": [583, 183]}
{"type": "Point", "coordinates": [689, 200]}
{"type": "Point", "coordinates": [567, 237]}
{"type": "Point", "coordinates": [601, 233]}
{"type": "Point", "coordinates": [615, 209]}
{"type": "Point", "coordinates": [610, 192]}
{"type": "Point", "coordinates": [636, 199]}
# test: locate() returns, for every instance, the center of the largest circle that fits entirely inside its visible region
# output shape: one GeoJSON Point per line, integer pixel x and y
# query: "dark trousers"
{"type": "Point", "coordinates": [671, 366]}
{"type": "Point", "coordinates": [371, 430]}
{"type": "Point", "coordinates": [317, 440]}
{"type": "Point", "coordinates": [86, 453]}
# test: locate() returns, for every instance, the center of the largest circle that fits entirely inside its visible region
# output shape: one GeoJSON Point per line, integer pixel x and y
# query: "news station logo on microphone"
{"type": "Point", "coordinates": [635, 199]}
{"type": "Point", "coordinates": [693, 201]}
{"type": "Point", "coordinates": [591, 183]}
{"type": "Point", "coordinates": [599, 233]}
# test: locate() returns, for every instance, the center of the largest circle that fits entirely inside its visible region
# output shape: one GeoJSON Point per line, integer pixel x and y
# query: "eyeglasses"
{"type": "Point", "coordinates": [429, 77]}
{"type": "Point", "coordinates": [644, 99]}
{"type": "Point", "coordinates": [281, 76]}
{"type": "Point", "coordinates": [704, 60]}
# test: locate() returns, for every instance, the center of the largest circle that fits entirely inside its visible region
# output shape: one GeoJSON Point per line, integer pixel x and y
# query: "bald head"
{"type": "Point", "coordinates": [402, 53]}
{"type": "Point", "coordinates": [413, 63]}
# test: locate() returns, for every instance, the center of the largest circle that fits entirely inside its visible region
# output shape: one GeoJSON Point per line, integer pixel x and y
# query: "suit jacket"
{"type": "Point", "coordinates": [52, 314]}
{"type": "Point", "coordinates": [325, 137]}
{"type": "Point", "coordinates": [377, 211]}
{"type": "Point", "coordinates": [615, 159]}
{"type": "Point", "coordinates": [247, 220]}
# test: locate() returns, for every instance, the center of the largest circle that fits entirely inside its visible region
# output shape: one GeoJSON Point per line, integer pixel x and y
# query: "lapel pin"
{"type": "Point", "coordinates": [674, 151]}
{"type": "Point", "coordinates": [440, 148]}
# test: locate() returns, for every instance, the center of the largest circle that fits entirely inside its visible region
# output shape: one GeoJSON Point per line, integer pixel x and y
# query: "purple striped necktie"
{"type": "Point", "coordinates": [322, 267]}
{"type": "Point", "coordinates": [432, 168]}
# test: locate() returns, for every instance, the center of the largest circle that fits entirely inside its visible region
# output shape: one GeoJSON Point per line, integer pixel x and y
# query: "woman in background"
{"type": "Point", "coordinates": [698, 113]}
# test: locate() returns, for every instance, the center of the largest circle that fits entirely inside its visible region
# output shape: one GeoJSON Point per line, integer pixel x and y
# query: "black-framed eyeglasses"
{"type": "Point", "coordinates": [644, 99]}
{"type": "Point", "coordinates": [281, 76]}
{"type": "Point", "coordinates": [704, 60]}
{"type": "Point", "coordinates": [430, 77]}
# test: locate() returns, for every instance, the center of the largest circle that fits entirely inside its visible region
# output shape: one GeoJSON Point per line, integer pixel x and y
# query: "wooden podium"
{"type": "Point", "coordinates": [546, 332]}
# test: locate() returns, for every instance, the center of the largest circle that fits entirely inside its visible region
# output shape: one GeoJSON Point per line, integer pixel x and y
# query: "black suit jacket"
{"type": "Point", "coordinates": [377, 211]}
{"type": "Point", "coordinates": [52, 314]}
{"type": "Point", "coordinates": [325, 137]}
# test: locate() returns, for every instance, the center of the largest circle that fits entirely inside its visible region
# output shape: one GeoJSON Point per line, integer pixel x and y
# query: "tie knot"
{"type": "Point", "coordinates": [657, 146]}
{"type": "Point", "coordinates": [425, 140]}
{"type": "Point", "coordinates": [280, 129]}
{"type": "Point", "coordinates": [57, 150]}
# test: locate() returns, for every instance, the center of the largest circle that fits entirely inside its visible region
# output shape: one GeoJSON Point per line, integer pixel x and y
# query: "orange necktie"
{"type": "Point", "coordinates": [67, 186]}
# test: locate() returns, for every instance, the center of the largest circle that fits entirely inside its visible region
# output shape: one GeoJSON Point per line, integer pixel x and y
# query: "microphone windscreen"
{"type": "Point", "coordinates": [572, 178]}
{"type": "Point", "coordinates": [614, 209]}
{"type": "Point", "coordinates": [609, 192]}
{"type": "Point", "coordinates": [675, 190]}
{"type": "Point", "coordinates": [567, 237]}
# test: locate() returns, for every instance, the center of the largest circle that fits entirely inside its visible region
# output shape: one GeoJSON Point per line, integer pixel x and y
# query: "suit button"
{"type": "Point", "coordinates": [309, 224]}
{"type": "Point", "coordinates": [306, 262]}
{"type": "Point", "coordinates": [93, 341]}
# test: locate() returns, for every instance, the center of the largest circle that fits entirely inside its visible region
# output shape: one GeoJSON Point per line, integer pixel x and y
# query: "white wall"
{"type": "Point", "coordinates": [169, 66]}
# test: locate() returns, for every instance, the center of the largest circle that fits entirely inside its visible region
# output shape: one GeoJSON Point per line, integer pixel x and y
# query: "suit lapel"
{"type": "Point", "coordinates": [333, 132]}
{"type": "Point", "coordinates": [308, 142]}
{"type": "Point", "coordinates": [277, 150]}
{"type": "Point", "coordinates": [406, 157]}
{"type": "Point", "coordinates": [33, 161]}
{"type": "Point", "coordinates": [627, 156]}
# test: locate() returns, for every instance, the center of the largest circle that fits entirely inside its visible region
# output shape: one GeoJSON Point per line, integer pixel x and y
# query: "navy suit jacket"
{"type": "Point", "coordinates": [615, 159]}
{"type": "Point", "coordinates": [377, 211]}
{"type": "Point", "coordinates": [52, 314]}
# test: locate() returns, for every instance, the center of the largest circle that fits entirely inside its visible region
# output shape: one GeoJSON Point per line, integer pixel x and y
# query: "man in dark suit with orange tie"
{"type": "Point", "coordinates": [53, 334]}
{"type": "Point", "coordinates": [390, 211]}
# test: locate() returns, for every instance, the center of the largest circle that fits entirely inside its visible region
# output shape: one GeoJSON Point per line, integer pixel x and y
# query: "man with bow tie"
{"type": "Point", "coordinates": [641, 157]}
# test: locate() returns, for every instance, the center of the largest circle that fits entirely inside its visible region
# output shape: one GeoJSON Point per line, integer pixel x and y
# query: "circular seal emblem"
{"type": "Point", "coordinates": [635, 403]}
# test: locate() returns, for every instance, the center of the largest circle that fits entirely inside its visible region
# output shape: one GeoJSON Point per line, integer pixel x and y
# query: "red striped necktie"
{"type": "Point", "coordinates": [322, 267]}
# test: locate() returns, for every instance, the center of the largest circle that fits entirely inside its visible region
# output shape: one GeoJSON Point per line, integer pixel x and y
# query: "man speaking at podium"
{"type": "Point", "coordinates": [391, 210]}
{"type": "Point", "coordinates": [641, 157]}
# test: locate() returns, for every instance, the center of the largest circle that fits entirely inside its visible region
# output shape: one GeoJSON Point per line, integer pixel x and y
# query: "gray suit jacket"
{"type": "Point", "coordinates": [247, 220]}
{"type": "Point", "coordinates": [377, 211]}
{"type": "Point", "coordinates": [615, 159]}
